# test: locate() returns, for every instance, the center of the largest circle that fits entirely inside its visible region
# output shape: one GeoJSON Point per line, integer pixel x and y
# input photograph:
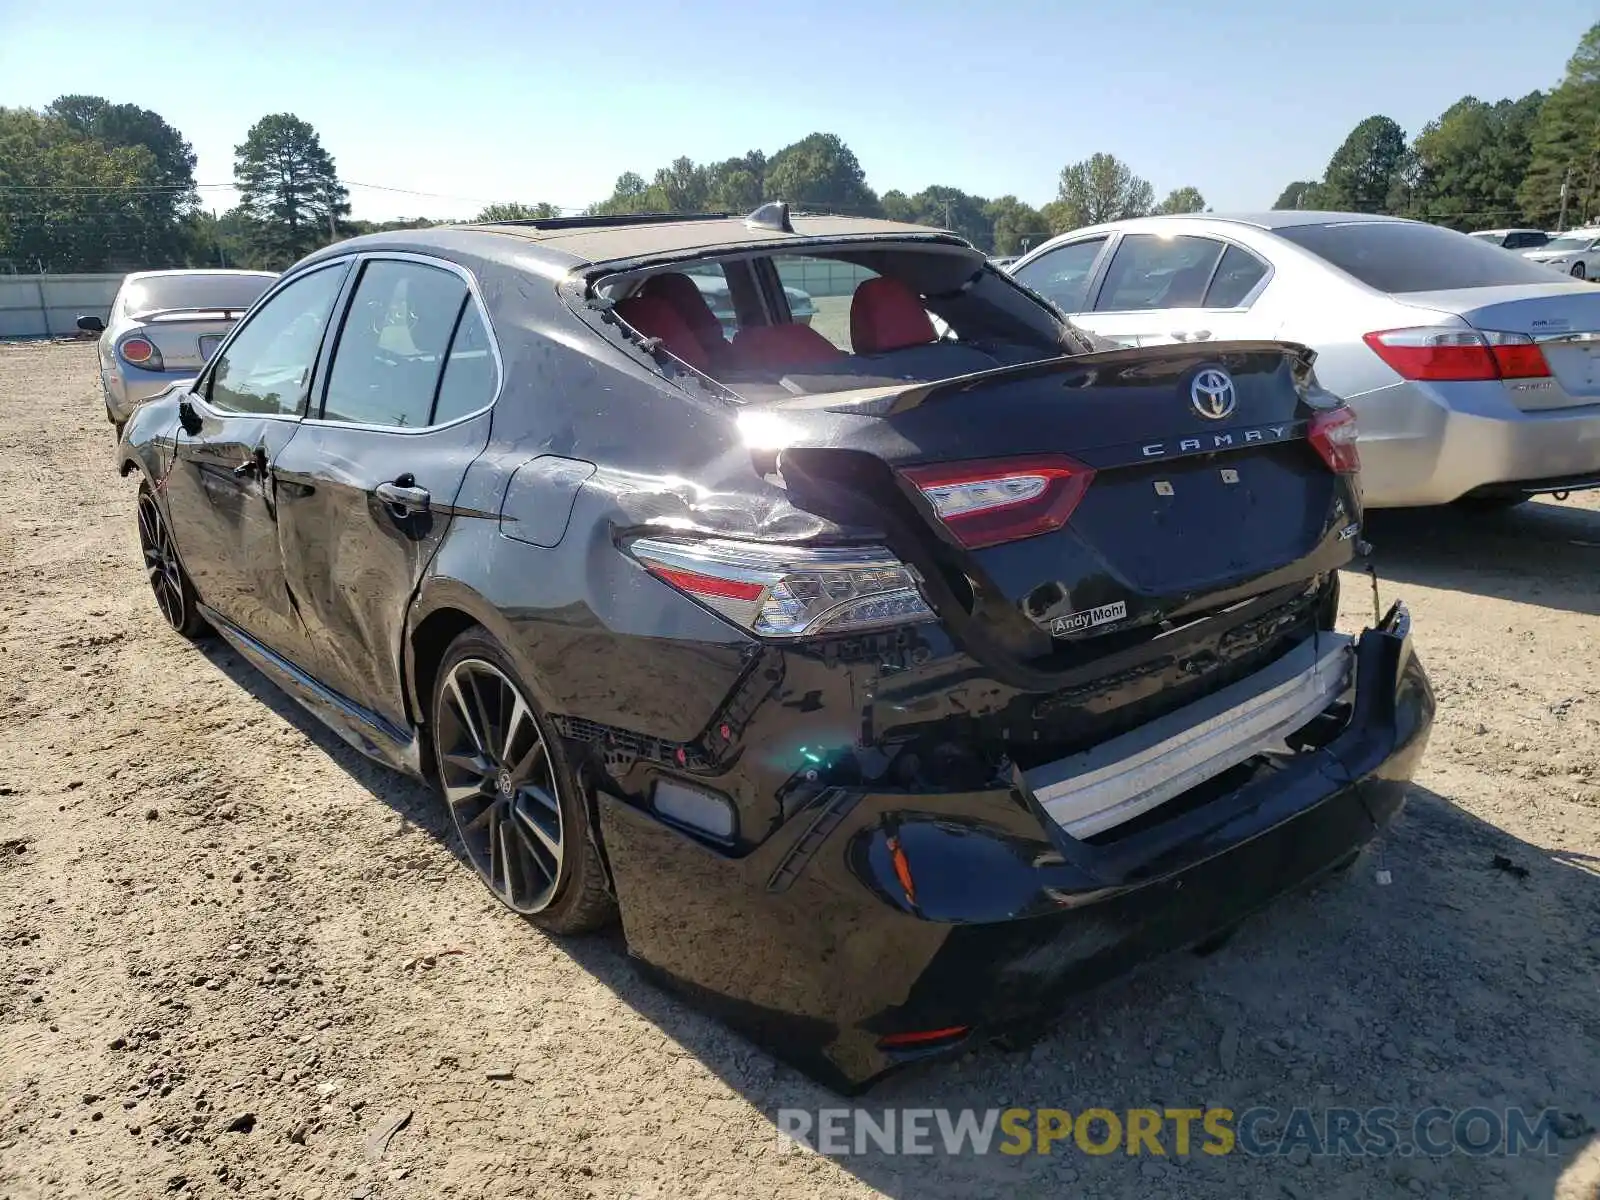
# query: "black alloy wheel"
{"type": "Point", "coordinates": [175, 594]}
{"type": "Point", "coordinates": [515, 804]}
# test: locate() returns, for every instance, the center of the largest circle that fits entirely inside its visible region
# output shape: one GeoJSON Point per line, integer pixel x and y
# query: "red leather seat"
{"type": "Point", "coordinates": [886, 315]}
{"type": "Point", "coordinates": [657, 318]}
{"type": "Point", "coordinates": [678, 290]}
{"type": "Point", "coordinates": [781, 347]}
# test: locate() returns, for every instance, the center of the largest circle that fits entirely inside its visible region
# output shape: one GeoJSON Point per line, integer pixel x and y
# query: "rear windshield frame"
{"type": "Point", "coordinates": [1404, 257]}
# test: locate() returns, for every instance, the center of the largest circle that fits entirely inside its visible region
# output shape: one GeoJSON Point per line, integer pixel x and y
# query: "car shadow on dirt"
{"type": "Point", "coordinates": [1537, 553]}
{"type": "Point", "coordinates": [1354, 994]}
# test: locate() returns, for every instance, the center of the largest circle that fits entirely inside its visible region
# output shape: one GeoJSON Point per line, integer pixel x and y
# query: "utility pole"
{"type": "Point", "coordinates": [1561, 221]}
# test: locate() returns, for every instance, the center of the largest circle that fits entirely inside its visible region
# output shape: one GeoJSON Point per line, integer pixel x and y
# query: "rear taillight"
{"type": "Point", "coordinates": [140, 352]}
{"type": "Point", "coordinates": [987, 502]}
{"type": "Point", "coordinates": [786, 591]}
{"type": "Point", "coordinates": [1459, 354]}
{"type": "Point", "coordinates": [1333, 436]}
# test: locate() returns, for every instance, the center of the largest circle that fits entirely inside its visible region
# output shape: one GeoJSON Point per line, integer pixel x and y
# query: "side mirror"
{"type": "Point", "coordinates": [91, 324]}
{"type": "Point", "coordinates": [188, 418]}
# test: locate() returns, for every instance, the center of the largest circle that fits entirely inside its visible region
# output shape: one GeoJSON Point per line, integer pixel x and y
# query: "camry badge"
{"type": "Point", "coordinates": [1212, 394]}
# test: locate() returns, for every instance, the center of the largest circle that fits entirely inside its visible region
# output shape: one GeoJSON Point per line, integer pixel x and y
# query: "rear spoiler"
{"type": "Point", "coordinates": [888, 401]}
{"type": "Point", "coordinates": [210, 313]}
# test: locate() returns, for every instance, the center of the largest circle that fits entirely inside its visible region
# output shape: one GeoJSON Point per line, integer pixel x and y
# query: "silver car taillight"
{"type": "Point", "coordinates": [139, 351]}
{"type": "Point", "coordinates": [789, 591]}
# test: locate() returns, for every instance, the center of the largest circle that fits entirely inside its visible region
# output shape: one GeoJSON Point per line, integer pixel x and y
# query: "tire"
{"type": "Point", "coordinates": [516, 804]}
{"type": "Point", "coordinates": [1578, 271]}
{"type": "Point", "coordinates": [170, 583]}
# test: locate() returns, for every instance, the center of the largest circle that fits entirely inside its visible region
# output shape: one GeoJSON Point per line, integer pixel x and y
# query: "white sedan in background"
{"type": "Point", "coordinates": [1576, 253]}
{"type": "Point", "coordinates": [1474, 373]}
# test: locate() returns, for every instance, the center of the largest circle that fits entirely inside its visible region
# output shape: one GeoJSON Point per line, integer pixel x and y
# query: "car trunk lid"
{"type": "Point", "coordinates": [1197, 490]}
{"type": "Point", "coordinates": [1563, 317]}
{"type": "Point", "coordinates": [186, 338]}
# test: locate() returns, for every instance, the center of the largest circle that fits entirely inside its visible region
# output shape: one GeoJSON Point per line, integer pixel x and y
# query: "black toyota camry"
{"type": "Point", "coordinates": [890, 673]}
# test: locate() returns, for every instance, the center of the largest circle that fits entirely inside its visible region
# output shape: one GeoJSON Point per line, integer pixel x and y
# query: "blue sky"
{"type": "Point", "coordinates": [494, 100]}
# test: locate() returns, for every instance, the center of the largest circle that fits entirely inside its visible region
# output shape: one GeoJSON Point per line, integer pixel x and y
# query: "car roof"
{"type": "Point", "coordinates": [561, 245]}
{"type": "Point", "coordinates": [1268, 221]}
{"type": "Point", "coordinates": [198, 271]}
{"type": "Point", "coordinates": [1287, 218]}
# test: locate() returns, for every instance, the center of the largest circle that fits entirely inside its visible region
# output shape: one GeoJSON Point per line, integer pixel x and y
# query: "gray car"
{"type": "Point", "coordinates": [1512, 239]}
{"type": "Point", "coordinates": [1475, 373]}
{"type": "Point", "coordinates": [163, 327]}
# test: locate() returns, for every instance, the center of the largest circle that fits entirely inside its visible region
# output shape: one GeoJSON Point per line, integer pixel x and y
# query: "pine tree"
{"type": "Point", "coordinates": [288, 190]}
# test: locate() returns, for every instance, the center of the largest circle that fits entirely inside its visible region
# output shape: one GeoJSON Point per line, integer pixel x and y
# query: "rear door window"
{"type": "Point", "coordinates": [470, 375]}
{"type": "Point", "coordinates": [1236, 277]}
{"type": "Point", "coordinates": [391, 352]}
{"type": "Point", "coordinates": [1062, 275]}
{"type": "Point", "coordinates": [1149, 271]}
{"type": "Point", "coordinates": [1406, 256]}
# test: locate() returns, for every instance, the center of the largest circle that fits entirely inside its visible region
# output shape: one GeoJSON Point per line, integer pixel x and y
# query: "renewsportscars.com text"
{"type": "Point", "coordinates": [1170, 1132]}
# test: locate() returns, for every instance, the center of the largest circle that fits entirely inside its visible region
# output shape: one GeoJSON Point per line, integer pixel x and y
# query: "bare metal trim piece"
{"type": "Point", "coordinates": [1116, 781]}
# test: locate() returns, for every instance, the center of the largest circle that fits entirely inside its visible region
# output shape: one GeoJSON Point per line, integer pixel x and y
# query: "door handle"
{"type": "Point", "coordinates": [1188, 335]}
{"type": "Point", "coordinates": [405, 498]}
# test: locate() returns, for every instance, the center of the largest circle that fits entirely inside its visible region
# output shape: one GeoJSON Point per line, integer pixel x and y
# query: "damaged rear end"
{"type": "Point", "coordinates": [1081, 656]}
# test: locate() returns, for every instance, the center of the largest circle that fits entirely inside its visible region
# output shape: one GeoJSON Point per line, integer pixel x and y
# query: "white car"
{"type": "Point", "coordinates": [1475, 373]}
{"type": "Point", "coordinates": [1575, 253]}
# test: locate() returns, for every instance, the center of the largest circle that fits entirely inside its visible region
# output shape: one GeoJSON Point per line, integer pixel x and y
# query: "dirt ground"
{"type": "Point", "coordinates": [233, 953]}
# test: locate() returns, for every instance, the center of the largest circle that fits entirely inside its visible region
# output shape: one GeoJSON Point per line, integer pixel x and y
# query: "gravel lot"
{"type": "Point", "coordinates": [231, 950]}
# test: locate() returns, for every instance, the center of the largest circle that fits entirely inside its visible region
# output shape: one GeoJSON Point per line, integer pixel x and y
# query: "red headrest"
{"type": "Point", "coordinates": [885, 314]}
{"type": "Point", "coordinates": [774, 347]}
{"type": "Point", "coordinates": [681, 292]}
{"type": "Point", "coordinates": [658, 318]}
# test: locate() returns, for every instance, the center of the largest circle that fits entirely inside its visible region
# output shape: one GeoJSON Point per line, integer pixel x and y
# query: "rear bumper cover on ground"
{"type": "Point", "coordinates": [874, 913]}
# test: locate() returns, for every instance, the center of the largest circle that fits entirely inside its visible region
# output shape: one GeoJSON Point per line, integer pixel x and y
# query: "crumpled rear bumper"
{"type": "Point", "coordinates": [871, 913]}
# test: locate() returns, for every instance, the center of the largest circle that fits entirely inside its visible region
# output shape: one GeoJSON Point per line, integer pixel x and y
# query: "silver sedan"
{"type": "Point", "coordinates": [1475, 374]}
{"type": "Point", "coordinates": [163, 327]}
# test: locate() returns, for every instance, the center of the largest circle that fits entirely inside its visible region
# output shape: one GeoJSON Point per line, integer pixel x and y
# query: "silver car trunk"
{"type": "Point", "coordinates": [1563, 317]}
{"type": "Point", "coordinates": [186, 338]}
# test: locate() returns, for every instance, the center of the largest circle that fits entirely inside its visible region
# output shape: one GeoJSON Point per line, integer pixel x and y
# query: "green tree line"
{"type": "Point", "coordinates": [88, 185]}
{"type": "Point", "coordinates": [1531, 161]}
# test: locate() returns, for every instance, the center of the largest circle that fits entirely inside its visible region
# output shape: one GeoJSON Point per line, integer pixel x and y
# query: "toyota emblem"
{"type": "Point", "coordinates": [1212, 394]}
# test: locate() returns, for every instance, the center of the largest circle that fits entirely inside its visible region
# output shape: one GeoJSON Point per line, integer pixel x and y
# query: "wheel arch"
{"type": "Point", "coordinates": [443, 610]}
